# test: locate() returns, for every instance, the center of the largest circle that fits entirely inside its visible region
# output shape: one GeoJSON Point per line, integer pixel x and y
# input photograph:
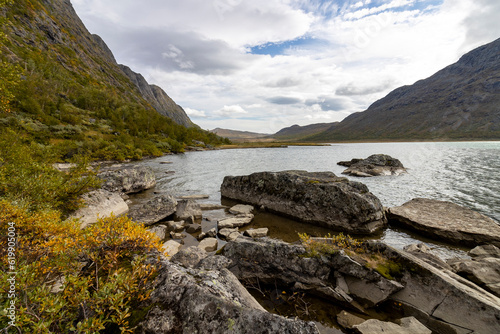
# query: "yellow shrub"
{"type": "Point", "coordinates": [70, 279]}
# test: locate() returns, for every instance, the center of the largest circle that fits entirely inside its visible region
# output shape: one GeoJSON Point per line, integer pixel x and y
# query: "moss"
{"type": "Point", "coordinates": [389, 269]}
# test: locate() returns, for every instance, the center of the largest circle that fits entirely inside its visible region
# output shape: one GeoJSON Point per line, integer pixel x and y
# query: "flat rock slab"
{"type": "Point", "coordinates": [210, 207]}
{"type": "Point", "coordinates": [408, 325]}
{"type": "Point", "coordinates": [235, 221]}
{"type": "Point", "coordinates": [187, 208]}
{"type": "Point", "coordinates": [446, 221]}
{"type": "Point", "coordinates": [319, 198]}
{"type": "Point", "coordinates": [99, 204]}
{"type": "Point", "coordinates": [200, 196]}
{"type": "Point", "coordinates": [229, 234]}
{"type": "Point", "coordinates": [241, 209]}
{"type": "Point", "coordinates": [257, 233]}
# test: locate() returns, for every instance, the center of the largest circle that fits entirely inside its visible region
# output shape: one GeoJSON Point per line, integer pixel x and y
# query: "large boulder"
{"type": "Point", "coordinates": [319, 198]}
{"type": "Point", "coordinates": [374, 165]}
{"type": "Point", "coordinates": [99, 203]}
{"type": "Point", "coordinates": [408, 325]}
{"type": "Point", "coordinates": [446, 221]}
{"type": "Point", "coordinates": [154, 210]}
{"type": "Point", "coordinates": [128, 179]}
{"type": "Point", "coordinates": [207, 301]}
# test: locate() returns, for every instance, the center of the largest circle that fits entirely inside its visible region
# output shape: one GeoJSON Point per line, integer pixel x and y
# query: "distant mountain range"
{"type": "Point", "coordinates": [460, 102]}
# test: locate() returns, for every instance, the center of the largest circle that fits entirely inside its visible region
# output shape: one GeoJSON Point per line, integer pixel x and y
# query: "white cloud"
{"type": "Point", "coordinates": [197, 52]}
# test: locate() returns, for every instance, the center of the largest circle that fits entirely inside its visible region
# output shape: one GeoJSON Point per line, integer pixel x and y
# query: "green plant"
{"type": "Point", "coordinates": [329, 244]}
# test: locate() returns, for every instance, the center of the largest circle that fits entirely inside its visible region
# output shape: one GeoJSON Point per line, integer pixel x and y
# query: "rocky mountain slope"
{"type": "Point", "coordinates": [158, 98]}
{"type": "Point", "coordinates": [461, 101]}
{"type": "Point", "coordinates": [241, 136]}
{"type": "Point", "coordinates": [61, 86]}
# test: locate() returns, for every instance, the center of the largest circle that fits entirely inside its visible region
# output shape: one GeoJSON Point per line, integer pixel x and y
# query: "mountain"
{"type": "Point", "coordinates": [240, 136]}
{"type": "Point", "coordinates": [61, 86]}
{"type": "Point", "coordinates": [461, 101]}
{"type": "Point", "coordinates": [158, 98]}
{"type": "Point", "coordinates": [297, 132]}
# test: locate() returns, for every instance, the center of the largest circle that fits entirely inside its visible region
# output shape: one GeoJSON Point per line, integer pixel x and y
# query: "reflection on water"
{"type": "Point", "coordinates": [466, 173]}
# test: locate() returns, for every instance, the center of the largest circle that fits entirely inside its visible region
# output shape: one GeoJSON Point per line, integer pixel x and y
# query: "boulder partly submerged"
{"type": "Point", "coordinates": [374, 165]}
{"type": "Point", "coordinates": [128, 179]}
{"type": "Point", "coordinates": [446, 221]}
{"type": "Point", "coordinates": [319, 198]}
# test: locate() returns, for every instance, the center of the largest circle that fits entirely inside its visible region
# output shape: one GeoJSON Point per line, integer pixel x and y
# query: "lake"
{"type": "Point", "coordinates": [466, 173]}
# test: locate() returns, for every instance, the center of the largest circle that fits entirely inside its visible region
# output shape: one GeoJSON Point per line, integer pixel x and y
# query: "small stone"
{"type": "Point", "coordinates": [241, 209]}
{"type": "Point", "coordinates": [208, 244]}
{"type": "Point", "coordinates": [160, 231]}
{"type": "Point", "coordinates": [174, 235]}
{"type": "Point", "coordinates": [193, 228]}
{"type": "Point", "coordinates": [256, 233]}
{"type": "Point", "coordinates": [210, 207]}
{"type": "Point", "coordinates": [171, 247]}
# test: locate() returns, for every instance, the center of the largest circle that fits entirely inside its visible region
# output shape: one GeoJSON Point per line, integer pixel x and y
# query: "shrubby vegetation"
{"type": "Point", "coordinates": [50, 95]}
{"type": "Point", "coordinates": [68, 280]}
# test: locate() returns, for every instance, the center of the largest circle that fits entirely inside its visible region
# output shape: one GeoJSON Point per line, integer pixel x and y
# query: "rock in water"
{"type": "Point", "coordinates": [187, 208]}
{"type": "Point", "coordinates": [319, 198]}
{"type": "Point", "coordinates": [374, 165]}
{"type": "Point", "coordinates": [154, 210]}
{"type": "Point", "coordinates": [128, 179]}
{"type": "Point", "coordinates": [446, 221]}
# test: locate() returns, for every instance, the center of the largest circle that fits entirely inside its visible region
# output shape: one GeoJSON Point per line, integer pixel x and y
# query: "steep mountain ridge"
{"type": "Point", "coordinates": [62, 87]}
{"type": "Point", "coordinates": [158, 98]}
{"type": "Point", "coordinates": [461, 101]}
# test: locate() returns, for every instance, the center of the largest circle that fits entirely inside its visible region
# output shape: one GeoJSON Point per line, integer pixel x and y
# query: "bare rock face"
{"type": "Point", "coordinates": [99, 204]}
{"type": "Point", "coordinates": [319, 198]}
{"type": "Point", "coordinates": [154, 210]}
{"type": "Point", "coordinates": [408, 325]}
{"type": "Point", "coordinates": [374, 165]}
{"type": "Point", "coordinates": [128, 179]}
{"type": "Point", "coordinates": [446, 221]}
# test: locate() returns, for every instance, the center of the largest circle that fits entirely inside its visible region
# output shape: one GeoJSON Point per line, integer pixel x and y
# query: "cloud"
{"type": "Point", "coordinates": [283, 100]}
{"type": "Point", "coordinates": [195, 113]}
{"type": "Point", "coordinates": [330, 58]}
{"type": "Point", "coordinates": [327, 103]}
{"type": "Point", "coordinates": [482, 23]}
{"type": "Point", "coordinates": [231, 111]}
{"type": "Point", "coordinates": [353, 89]}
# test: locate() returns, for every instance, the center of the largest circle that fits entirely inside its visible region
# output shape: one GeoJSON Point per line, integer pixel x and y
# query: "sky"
{"type": "Point", "coordinates": [262, 65]}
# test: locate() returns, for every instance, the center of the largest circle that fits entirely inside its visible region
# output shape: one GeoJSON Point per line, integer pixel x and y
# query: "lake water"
{"type": "Point", "coordinates": [466, 173]}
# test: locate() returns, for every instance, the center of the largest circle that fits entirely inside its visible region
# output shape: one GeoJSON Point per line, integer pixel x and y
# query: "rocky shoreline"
{"type": "Point", "coordinates": [409, 291]}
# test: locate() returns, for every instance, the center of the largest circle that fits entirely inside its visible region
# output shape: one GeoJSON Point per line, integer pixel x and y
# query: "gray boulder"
{"type": "Point", "coordinates": [189, 257]}
{"type": "Point", "coordinates": [208, 244]}
{"type": "Point", "coordinates": [154, 210]}
{"type": "Point", "coordinates": [212, 233]}
{"type": "Point", "coordinates": [423, 252]}
{"type": "Point", "coordinates": [256, 233]}
{"type": "Point", "coordinates": [319, 198]}
{"type": "Point", "coordinates": [128, 179]}
{"type": "Point", "coordinates": [446, 221]}
{"type": "Point", "coordinates": [229, 234]}
{"type": "Point", "coordinates": [374, 165]}
{"type": "Point", "coordinates": [99, 203]}
{"type": "Point", "coordinates": [187, 208]}
{"type": "Point", "coordinates": [197, 300]}
{"type": "Point", "coordinates": [485, 251]}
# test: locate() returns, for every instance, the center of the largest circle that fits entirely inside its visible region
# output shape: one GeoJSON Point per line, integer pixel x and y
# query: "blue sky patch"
{"type": "Point", "coordinates": [287, 47]}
